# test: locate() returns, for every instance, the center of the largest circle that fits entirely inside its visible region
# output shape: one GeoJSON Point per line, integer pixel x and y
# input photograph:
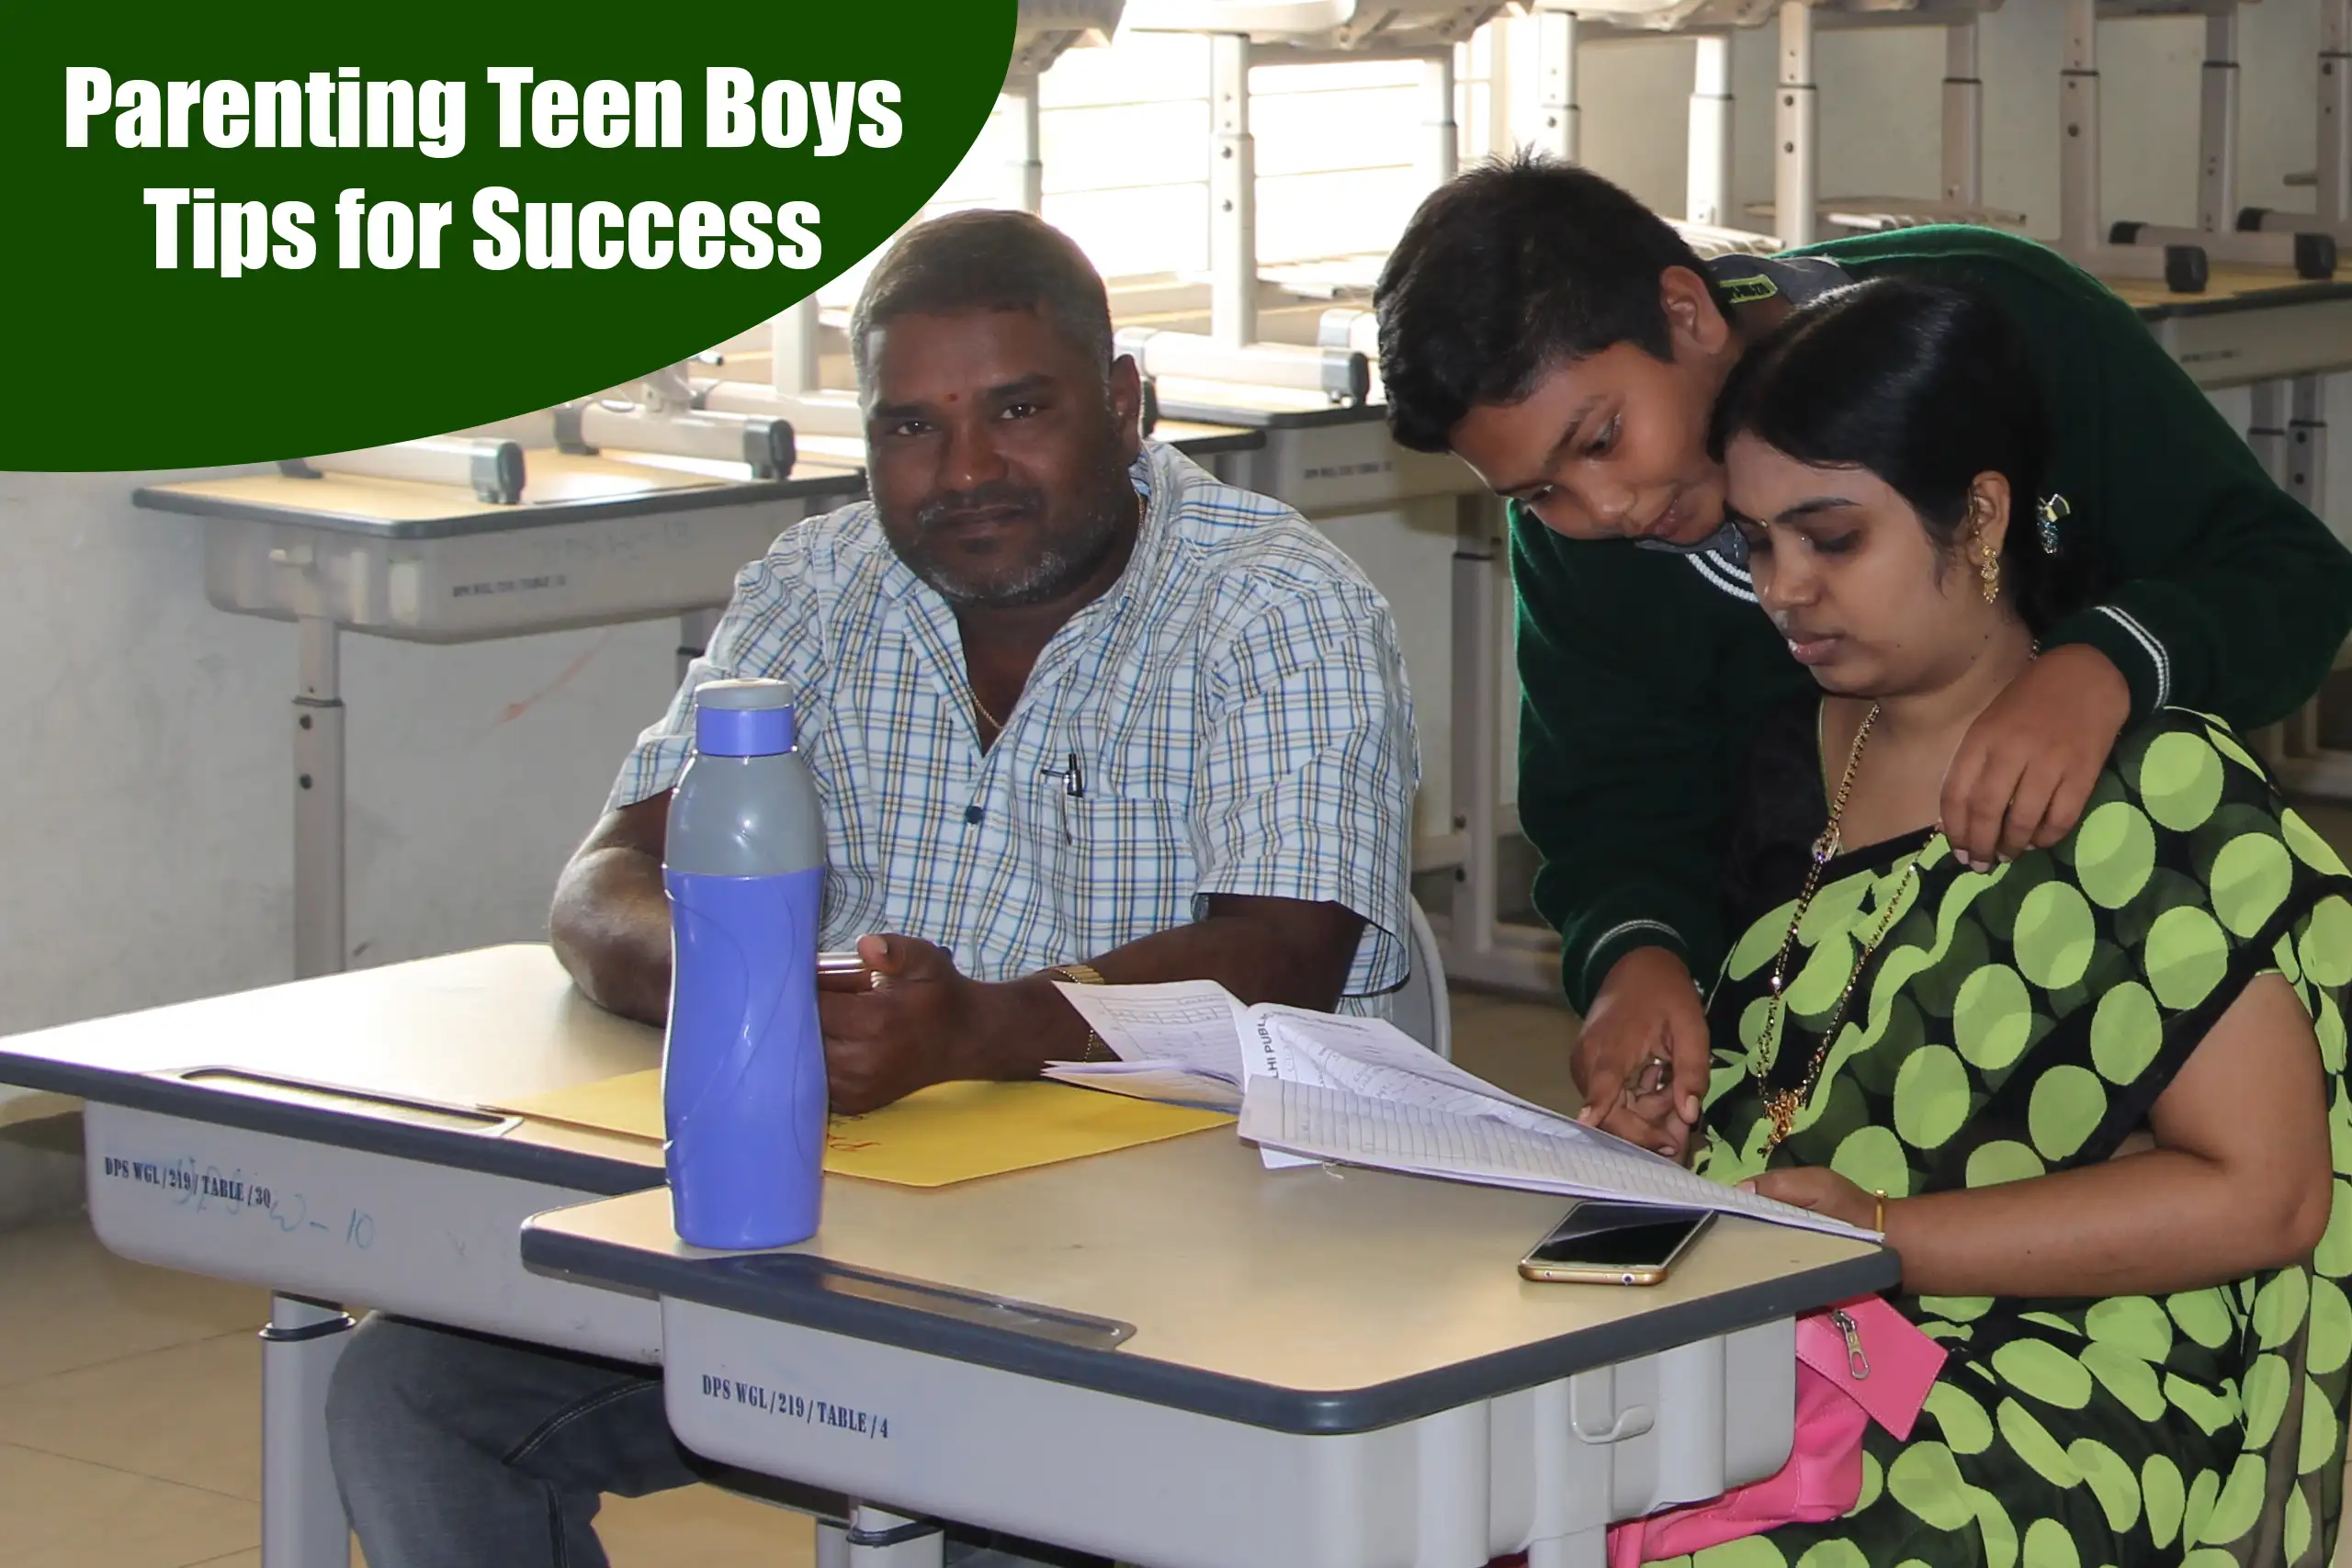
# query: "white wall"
{"type": "Point", "coordinates": [148, 798]}
{"type": "Point", "coordinates": [148, 801]}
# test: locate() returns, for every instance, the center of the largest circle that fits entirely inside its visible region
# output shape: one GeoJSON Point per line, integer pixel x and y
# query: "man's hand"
{"type": "Point", "coordinates": [1824, 1192]}
{"type": "Point", "coordinates": [2025, 767]}
{"type": "Point", "coordinates": [916, 1026]}
{"type": "Point", "coordinates": [1646, 1008]}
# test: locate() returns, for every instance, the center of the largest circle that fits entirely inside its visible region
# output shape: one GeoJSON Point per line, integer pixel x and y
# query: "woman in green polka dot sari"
{"type": "Point", "coordinates": [2097, 1092]}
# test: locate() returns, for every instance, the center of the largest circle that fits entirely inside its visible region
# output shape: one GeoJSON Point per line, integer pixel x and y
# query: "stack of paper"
{"type": "Point", "coordinates": [1318, 1086]}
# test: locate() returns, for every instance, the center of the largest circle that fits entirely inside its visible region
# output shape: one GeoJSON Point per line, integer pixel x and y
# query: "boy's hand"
{"type": "Point", "coordinates": [2025, 767]}
{"type": "Point", "coordinates": [1646, 1011]}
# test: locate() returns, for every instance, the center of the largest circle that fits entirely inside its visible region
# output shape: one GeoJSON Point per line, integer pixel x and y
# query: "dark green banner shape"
{"type": "Point", "coordinates": [859, 110]}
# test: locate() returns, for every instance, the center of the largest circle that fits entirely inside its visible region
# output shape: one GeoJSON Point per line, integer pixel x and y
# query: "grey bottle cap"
{"type": "Point", "coordinates": [743, 695]}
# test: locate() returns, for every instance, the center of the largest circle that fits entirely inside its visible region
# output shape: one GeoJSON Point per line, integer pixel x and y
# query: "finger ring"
{"type": "Point", "coordinates": [1651, 1077]}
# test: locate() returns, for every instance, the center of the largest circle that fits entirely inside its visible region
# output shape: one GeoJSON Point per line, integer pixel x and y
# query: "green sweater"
{"type": "Point", "coordinates": [1643, 673]}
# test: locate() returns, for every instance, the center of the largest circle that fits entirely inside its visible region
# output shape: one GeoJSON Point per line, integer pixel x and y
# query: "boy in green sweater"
{"type": "Point", "coordinates": [1564, 341]}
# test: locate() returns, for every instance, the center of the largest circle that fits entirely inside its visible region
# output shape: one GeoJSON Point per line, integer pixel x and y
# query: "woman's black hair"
{"type": "Point", "coordinates": [1925, 386]}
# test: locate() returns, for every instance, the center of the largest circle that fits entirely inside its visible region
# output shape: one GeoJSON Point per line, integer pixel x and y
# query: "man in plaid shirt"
{"type": "Point", "coordinates": [1074, 709]}
{"type": "Point", "coordinates": [1068, 701]}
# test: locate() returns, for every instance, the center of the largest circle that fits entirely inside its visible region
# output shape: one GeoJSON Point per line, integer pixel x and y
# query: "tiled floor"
{"type": "Point", "coordinates": [130, 1396]}
{"type": "Point", "coordinates": [130, 1437]}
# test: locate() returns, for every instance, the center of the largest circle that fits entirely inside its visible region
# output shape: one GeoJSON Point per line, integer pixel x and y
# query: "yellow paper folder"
{"type": "Point", "coordinates": [935, 1137]}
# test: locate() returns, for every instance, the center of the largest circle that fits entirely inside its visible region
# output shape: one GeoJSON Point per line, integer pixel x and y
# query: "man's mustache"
{"type": "Point", "coordinates": [947, 511]}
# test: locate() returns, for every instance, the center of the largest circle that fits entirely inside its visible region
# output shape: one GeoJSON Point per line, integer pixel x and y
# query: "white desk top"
{"type": "Point", "coordinates": [2233, 286]}
{"type": "Point", "coordinates": [562, 487]}
{"type": "Point", "coordinates": [469, 1029]}
{"type": "Point", "coordinates": [1311, 1299]}
{"type": "Point", "coordinates": [1305, 1300]}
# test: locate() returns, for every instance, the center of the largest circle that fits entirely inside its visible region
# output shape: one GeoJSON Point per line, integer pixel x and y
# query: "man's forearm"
{"type": "Point", "coordinates": [611, 929]}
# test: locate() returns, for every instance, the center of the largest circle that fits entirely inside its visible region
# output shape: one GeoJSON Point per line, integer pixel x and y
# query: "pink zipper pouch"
{"type": "Point", "coordinates": [1859, 1363]}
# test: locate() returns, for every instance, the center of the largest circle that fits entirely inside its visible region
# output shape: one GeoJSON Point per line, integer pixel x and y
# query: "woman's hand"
{"type": "Point", "coordinates": [1824, 1192]}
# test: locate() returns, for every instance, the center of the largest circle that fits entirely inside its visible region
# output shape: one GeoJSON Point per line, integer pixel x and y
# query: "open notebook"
{"type": "Point", "coordinates": [1316, 1087]}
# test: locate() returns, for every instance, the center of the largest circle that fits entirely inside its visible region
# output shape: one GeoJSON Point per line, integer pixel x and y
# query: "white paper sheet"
{"type": "Point", "coordinates": [1190, 1025]}
{"type": "Point", "coordinates": [1162, 1081]}
{"type": "Point", "coordinates": [1317, 1087]}
{"type": "Point", "coordinates": [1334, 1124]}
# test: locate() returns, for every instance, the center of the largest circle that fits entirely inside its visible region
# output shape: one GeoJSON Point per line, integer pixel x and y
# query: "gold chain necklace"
{"type": "Point", "coordinates": [981, 708]}
{"type": "Point", "coordinates": [1783, 1104]}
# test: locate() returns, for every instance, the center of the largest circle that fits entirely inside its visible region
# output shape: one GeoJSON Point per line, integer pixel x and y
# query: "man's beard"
{"type": "Point", "coordinates": [1069, 559]}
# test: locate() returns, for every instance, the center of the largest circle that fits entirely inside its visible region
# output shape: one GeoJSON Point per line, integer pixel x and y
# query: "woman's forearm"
{"type": "Point", "coordinates": [2152, 1223]}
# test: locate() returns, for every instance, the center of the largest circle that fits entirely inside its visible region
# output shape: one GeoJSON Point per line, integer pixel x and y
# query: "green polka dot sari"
{"type": "Point", "coordinates": [2022, 1021]}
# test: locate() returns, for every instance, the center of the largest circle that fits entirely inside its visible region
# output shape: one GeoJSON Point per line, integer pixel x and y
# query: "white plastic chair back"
{"type": "Point", "coordinates": [1422, 1008]}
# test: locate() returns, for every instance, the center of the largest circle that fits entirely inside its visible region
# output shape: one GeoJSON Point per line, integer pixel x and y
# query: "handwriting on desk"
{"type": "Point", "coordinates": [238, 1194]}
{"type": "Point", "coordinates": [788, 1406]}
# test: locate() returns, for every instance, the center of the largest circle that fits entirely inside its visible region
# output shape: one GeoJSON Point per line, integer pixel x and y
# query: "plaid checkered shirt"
{"type": "Point", "coordinates": [1231, 716]}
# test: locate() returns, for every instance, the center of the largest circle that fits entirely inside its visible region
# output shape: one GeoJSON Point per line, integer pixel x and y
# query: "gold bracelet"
{"type": "Point", "coordinates": [1879, 1223]}
{"type": "Point", "coordinates": [1085, 975]}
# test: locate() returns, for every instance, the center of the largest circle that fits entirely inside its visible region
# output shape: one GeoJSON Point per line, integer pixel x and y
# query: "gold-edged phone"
{"type": "Point", "coordinates": [1601, 1243]}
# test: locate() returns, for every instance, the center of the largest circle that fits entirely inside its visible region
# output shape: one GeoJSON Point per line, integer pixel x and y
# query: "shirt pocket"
{"type": "Point", "coordinates": [1125, 866]}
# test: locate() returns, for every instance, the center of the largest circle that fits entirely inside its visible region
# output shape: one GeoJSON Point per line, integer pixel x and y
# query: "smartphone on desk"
{"type": "Point", "coordinates": [1601, 1243]}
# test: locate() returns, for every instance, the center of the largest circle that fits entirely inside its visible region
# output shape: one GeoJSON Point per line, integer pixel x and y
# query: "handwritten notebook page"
{"type": "Point", "coordinates": [1419, 1140]}
{"type": "Point", "coordinates": [1188, 1026]}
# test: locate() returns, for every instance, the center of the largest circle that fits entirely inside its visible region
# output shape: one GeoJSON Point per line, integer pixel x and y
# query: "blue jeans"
{"type": "Point", "coordinates": [459, 1450]}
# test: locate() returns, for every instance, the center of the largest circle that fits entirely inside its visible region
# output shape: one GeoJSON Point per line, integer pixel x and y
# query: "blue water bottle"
{"type": "Point", "coordinates": [743, 1068]}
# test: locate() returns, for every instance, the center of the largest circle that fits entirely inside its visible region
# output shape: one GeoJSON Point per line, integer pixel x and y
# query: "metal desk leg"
{"type": "Point", "coordinates": [1477, 699]}
{"type": "Point", "coordinates": [2080, 238]}
{"type": "Point", "coordinates": [1233, 196]}
{"type": "Point", "coordinates": [1440, 133]}
{"type": "Point", "coordinates": [2334, 169]}
{"type": "Point", "coordinates": [317, 802]}
{"type": "Point", "coordinates": [795, 341]}
{"type": "Point", "coordinates": [302, 1522]}
{"type": "Point", "coordinates": [2308, 482]}
{"type": "Point", "coordinates": [694, 629]}
{"type": "Point", "coordinates": [876, 1538]}
{"type": "Point", "coordinates": [1028, 161]}
{"type": "Point", "coordinates": [2218, 228]}
{"type": "Point", "coordinates": [1796, 183]}
{"type": "Point", "coordinates": [2266, 428]}
{"type": "Point", "coordinates": [2265, 433]}
{"type": "Point", "coordinates": [2301, 762]}
{"type": "Point", "coordinates": [1556, 33]}
{"type": "Point", "coordinates": [2307, 442]}
{"type": "Point", "coordinates": [1707, 173]}
{"type": "Point", "coordinates": [1476, 944]}
{"type": "Point", "coordinates": [1963, 149]}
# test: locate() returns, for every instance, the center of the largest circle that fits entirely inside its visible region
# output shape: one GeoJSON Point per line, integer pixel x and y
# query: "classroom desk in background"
{"type": "Point", "coordinates": [2280, 337]}
{"type": "Point", "coordinates": [1366, 1333]}
{"type": "Point", "coordinates": [596, 540]}
{"type": "Point", "coordinates": [2250, 325]}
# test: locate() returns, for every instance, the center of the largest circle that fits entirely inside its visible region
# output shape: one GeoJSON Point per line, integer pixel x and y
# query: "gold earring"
{"type": "Point", "coordinates": [1989, 575]}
